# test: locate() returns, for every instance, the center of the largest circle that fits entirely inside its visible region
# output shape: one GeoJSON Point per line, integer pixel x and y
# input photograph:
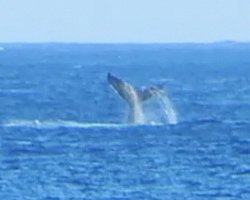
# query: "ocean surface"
{"type": "Point", "coordinates": [63, 130]}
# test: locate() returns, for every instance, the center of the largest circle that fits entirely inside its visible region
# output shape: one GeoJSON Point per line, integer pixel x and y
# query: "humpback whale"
{"type": "Point", "coordinates": [133, 96]}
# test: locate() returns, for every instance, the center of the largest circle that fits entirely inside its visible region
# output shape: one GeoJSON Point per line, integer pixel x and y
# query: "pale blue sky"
{"type": "Point", "coordinates": [124, 20]}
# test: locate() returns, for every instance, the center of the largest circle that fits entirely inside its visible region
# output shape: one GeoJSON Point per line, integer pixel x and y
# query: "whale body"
{"type": "Point", "coordinates": [133, 96]}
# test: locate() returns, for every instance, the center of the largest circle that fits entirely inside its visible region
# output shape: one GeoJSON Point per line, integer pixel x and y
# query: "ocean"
{"type": "Point", "coordinates": [64, 131]}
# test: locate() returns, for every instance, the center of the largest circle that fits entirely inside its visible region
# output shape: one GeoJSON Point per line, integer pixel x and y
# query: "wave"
{"type": "Point", "coordinates": [68, 124]}
{"type": "Point", "coordinates": [54, 124]}
{"type": "Point", "coordinates": [57, 124]}
{"type": "Point", "coordinates": [16, 91]}
{"type": "Point", "coordinates": [213, 121]}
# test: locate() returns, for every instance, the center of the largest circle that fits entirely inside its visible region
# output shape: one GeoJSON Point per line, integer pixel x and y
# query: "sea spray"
{"type": "Point", "coordinates": [168, 108]}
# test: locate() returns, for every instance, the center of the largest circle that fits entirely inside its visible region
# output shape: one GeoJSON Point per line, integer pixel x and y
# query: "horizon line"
{"type": "Point", "coordinates": [123, 43]}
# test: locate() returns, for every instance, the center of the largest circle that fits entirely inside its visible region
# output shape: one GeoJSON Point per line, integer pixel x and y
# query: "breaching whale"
{"type": "Point", "coordinates": [133, 96]}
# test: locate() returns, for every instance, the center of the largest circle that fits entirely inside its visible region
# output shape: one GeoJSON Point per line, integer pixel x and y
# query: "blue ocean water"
{"type": "Point", "coordinates": [63, 133]}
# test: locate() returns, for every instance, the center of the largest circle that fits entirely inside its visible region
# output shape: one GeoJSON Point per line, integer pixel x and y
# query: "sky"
{"type": "Point", "coordinates": [124, 21]}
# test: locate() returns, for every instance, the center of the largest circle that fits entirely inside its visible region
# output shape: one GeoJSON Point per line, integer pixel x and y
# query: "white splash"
{"type": "Point", "coordinates": [168, 108]}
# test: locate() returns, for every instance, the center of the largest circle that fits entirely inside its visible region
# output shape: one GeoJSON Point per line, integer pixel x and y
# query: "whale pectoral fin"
{"type": "Point", "coordinates": [115, 82]}
{"type": "Point", "coordinates": [121, 87]}
{"type": "Point", "coordinates": [149, 92]}
{"type": "Point", "coordinates": [126, 91]}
